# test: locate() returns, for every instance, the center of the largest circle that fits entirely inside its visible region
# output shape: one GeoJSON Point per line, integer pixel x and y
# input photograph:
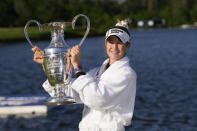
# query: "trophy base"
{"type": "Point", "coordinates": [59, 101]}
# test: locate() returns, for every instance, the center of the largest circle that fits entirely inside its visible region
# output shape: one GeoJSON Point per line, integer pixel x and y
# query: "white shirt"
{"type": "Point", "coordinates": [108, 96]}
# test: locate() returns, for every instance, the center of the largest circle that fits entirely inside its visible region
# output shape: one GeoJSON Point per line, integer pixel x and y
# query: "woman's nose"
{"type": "Point", "coordinates": [115, 46]}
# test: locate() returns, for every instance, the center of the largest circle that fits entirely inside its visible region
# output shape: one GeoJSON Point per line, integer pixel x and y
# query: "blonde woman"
{"type": "Point", "coordinates": [107, 92]}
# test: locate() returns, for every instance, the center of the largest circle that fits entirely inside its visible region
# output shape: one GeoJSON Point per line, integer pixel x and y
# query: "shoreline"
{"type": "Point", "coordinates": [16, 34]}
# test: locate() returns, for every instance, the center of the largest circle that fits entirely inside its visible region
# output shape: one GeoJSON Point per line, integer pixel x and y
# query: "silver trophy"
{"type": "Point", "coordinates": [56, 67]}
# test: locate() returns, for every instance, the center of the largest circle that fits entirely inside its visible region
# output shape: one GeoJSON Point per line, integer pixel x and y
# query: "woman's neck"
{"type": "Point", "coordinates": [111, 61]}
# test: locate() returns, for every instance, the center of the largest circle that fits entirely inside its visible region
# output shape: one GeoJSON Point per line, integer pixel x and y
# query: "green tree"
{"type": "Point", "coordinates": [8, 14]}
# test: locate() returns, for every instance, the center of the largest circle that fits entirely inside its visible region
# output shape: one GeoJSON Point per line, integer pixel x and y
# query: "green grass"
{"type": "Point", "coordinates": [17, 33]}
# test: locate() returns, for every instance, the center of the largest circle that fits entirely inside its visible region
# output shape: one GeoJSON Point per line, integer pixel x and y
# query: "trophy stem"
{"type": "Point", "coordinates": [59, 97]}
{"type": "Point", "coordinates": [59, 91]}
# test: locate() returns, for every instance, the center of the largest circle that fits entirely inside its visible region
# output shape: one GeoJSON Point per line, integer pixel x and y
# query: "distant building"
{"type": "Point", "coordinates": [151, 23]}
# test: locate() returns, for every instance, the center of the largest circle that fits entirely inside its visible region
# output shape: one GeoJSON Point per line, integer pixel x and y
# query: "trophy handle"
{"type": "Point", "coordinates": [88, 26]}
{"type": "Point", "coordinates": [25, 30]}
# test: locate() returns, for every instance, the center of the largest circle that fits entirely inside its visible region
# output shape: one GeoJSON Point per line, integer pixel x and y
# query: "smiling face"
{"type": "Point", "coordinates": [115, 49]}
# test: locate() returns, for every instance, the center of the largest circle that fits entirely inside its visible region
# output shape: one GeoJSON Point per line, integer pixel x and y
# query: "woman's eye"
{"type": "Point", "coordinates": [111, 42]}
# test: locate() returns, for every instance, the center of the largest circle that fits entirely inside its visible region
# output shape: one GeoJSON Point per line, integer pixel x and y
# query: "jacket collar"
{"type": "Point", "coordinates": [115, 65]}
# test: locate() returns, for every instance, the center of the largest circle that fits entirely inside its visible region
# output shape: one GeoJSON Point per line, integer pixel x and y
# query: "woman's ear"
{"type": "Point", "coordinates": [105, 43]}
{"type": "Point", "coordinates": [128, 44]}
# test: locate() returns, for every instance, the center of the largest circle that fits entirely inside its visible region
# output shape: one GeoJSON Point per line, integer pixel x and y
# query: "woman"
{"type": "Point", "coordinates": [107, 92]}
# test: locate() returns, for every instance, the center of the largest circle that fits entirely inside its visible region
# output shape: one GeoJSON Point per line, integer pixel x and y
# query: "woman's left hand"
{"type": "Point", "coordinates": [68, 65]}
{"type": "Point", "coordinates": [75, 56]}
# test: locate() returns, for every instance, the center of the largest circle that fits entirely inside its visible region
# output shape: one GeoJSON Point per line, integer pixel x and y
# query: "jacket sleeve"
{"type": "Point", "coordinates": [110, 92]}
{"type": "Point", "coordinates": [68, 91]}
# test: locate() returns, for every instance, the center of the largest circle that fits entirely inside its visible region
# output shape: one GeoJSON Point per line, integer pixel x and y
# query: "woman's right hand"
{"type": "Point", "coordinates": [38, 55]}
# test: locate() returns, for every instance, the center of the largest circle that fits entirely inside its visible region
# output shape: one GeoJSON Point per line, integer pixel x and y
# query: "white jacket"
{"type": "Point", "coordinates": [108, 96]}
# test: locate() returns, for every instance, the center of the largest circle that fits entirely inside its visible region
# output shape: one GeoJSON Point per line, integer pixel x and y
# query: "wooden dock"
{"type": "Point", "coordinates": [23, 105]}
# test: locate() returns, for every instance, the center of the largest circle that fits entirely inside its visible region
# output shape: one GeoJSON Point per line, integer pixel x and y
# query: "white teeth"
{"type": "Point", "coordinates": [114, 52]}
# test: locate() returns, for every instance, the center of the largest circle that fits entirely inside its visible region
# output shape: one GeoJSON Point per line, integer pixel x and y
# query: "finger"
{"type": "Point", "coordinates": [39, 53]}
{"type": "Point", "coordinates": [36, 55]}
{"type": "Point", "coordinates": [34, 48]}
{"type": "Point", "coordinates": [38, 49]}
{"type": "Point", "coordinates": [68, 52]}
{"type": "Point", "coordinates": [74, 52]}
{"type": "Point", "coordinates": [75, 49]}
{"type": "Point", "coordinates": [38, 60]}
{"type": "Point", "coordinates": [78, 46]}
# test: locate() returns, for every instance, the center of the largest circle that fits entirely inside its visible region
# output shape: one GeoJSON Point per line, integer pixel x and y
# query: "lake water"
{"type": "Point", "coordinates": [166, 64]}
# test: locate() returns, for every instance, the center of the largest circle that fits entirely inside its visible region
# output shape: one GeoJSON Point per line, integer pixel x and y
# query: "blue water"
{"type": "Point", "coordinates": [166, 64]}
